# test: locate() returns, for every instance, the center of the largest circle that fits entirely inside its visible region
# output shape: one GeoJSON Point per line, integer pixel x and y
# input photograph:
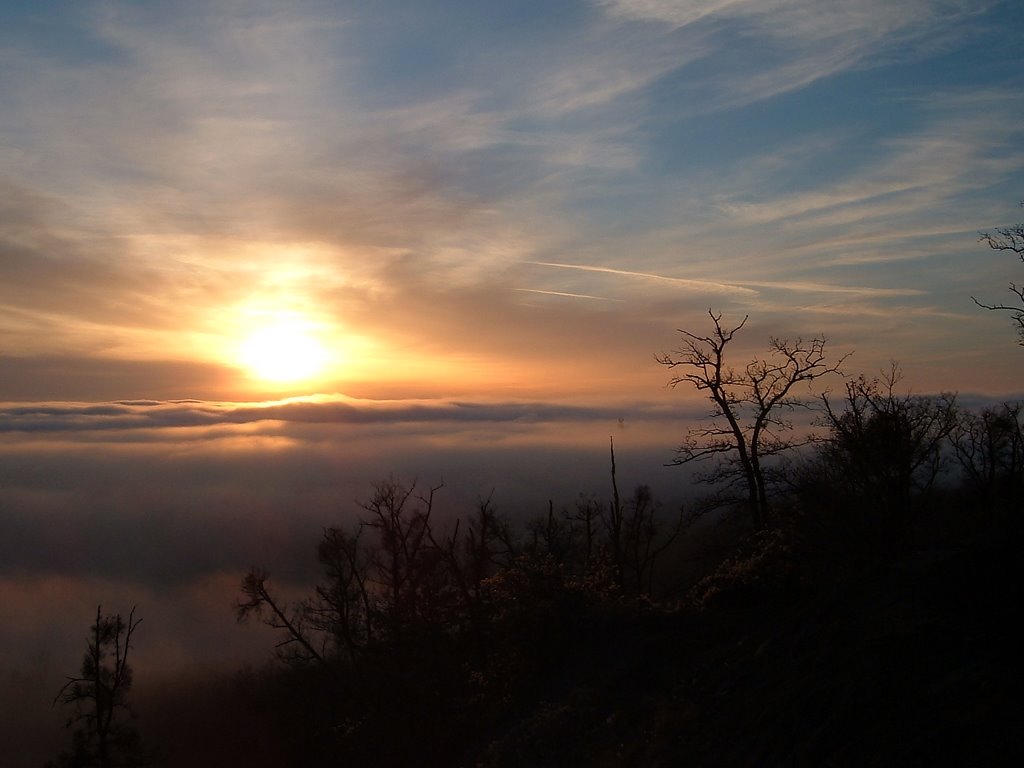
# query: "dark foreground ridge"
{"type": "Point", "coordinates": [778, 658]}
{"type": "Point", "coordinates": [911, 663]}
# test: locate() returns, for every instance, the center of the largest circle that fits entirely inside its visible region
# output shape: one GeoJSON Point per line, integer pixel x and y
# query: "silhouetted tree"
{"type": "Point", "coordinates": [486, 547]}
{"type": "Point", "coordinates": [1008, 239]}
{"type": "Point", "coordinates": [372, 591]}
{"type": "Point", "coordinates": [635, 538]}
{"type": "Point", "coordinates": [408, 570]}
{"type": "Point", "coordinates": [584, 520]}
{"type": "Point", "coordinates": [375, 639]}
{"type": "Point", "coordinates": [746, 424]}
{"type": "Point", "coordinates": [301, 642]}
{"type": "Point", "coordinates": [343, 608]}
{"type": "Point", "coordinates": [99, 695]}
{"type": "Point", "coordinates": [550, 536]}
{"type": "Point", "coordinates": [989, 446]}
{"type": "Point", "coordinates": [441, 629]}
{"type": "Point", "coordinates": [884, 447]}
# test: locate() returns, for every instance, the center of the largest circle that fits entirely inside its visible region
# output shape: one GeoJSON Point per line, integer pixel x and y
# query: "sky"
{"type": "Point", "coordinates": [255, 256]}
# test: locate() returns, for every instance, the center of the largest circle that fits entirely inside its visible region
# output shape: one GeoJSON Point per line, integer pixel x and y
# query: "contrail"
{"type": "Point", "coordinates": [748, 287]}
{"type": "Point", "coordinates": [695, 284]}
{"type": "Point", "coordinates": [569, 295]}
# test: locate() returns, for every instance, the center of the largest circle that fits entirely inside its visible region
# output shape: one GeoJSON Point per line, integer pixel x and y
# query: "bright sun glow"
{"type": "Point", "coordinates": [283, 351]}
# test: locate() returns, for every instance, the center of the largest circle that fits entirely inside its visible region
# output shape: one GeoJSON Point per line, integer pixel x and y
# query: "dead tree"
{"type": "Point", "coordinates": [747, 421]}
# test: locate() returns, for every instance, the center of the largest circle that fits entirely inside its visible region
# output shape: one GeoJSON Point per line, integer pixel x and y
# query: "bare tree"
{"type": "Point", "coordinates": [372, 591]}
{"type": "Point", "coordinates": [343, 608]}
{"type": "Point", "coordinates": [747, 422]}
{"type": "Point", "coordinates": [99, 694]}
{"type": "Point", "coordinates": [550, 536]}
{"type": "Point", "coordinates": [584, 521]}
{"type": "Point", "coordinates": [989, 446]}
{"type": "Point", "coordinates": [488, 548]}
{"type": "Point", "coordinates": [1008, 239]}
{"type": "Point", "coordinates": [885, 448]}
{"type": "Point", "coordinates": [634, 536]}
{"type": "Point", "coordinates": [300, 643]}
{"type": "Point", "coordinates": [408, 568]}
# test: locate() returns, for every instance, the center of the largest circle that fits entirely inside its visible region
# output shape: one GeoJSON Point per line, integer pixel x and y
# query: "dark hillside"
{"type": "Point", "coordinates": [911, 663]}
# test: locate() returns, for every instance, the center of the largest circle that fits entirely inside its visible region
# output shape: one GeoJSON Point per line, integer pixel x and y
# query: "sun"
{"type": "Point", "coordinates": [283, 351]}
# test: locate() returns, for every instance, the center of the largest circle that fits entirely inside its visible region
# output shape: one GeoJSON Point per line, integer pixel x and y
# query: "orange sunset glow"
{"type": "Point", "coordinates": [590, 382]}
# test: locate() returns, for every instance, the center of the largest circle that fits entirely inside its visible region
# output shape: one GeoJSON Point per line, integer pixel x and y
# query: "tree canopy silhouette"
{"type": "Point", "coordinates": [885, 448]}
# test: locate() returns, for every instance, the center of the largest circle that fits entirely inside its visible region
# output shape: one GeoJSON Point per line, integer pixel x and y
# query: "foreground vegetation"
{"type": "Point", "coordinates": [864, 622]}
{"type": "Point", "coordinates": [860, 626]}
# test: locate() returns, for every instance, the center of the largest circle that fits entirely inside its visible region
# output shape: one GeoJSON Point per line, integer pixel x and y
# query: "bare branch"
{"type": "Point", "coordinates": [1008, 239]}
{"type": "Point", "coordinates": [254, 587]}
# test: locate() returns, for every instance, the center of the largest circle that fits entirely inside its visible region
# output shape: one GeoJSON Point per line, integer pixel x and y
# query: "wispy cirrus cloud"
{"type": "Point", "coordinates": [682, 282]}
{"type": "Point", "coordinates": [182, 158]}
{"type": "Point", "coordinates": [763, 49]}
{"type": "Point", "coordinates": [913, 171]}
